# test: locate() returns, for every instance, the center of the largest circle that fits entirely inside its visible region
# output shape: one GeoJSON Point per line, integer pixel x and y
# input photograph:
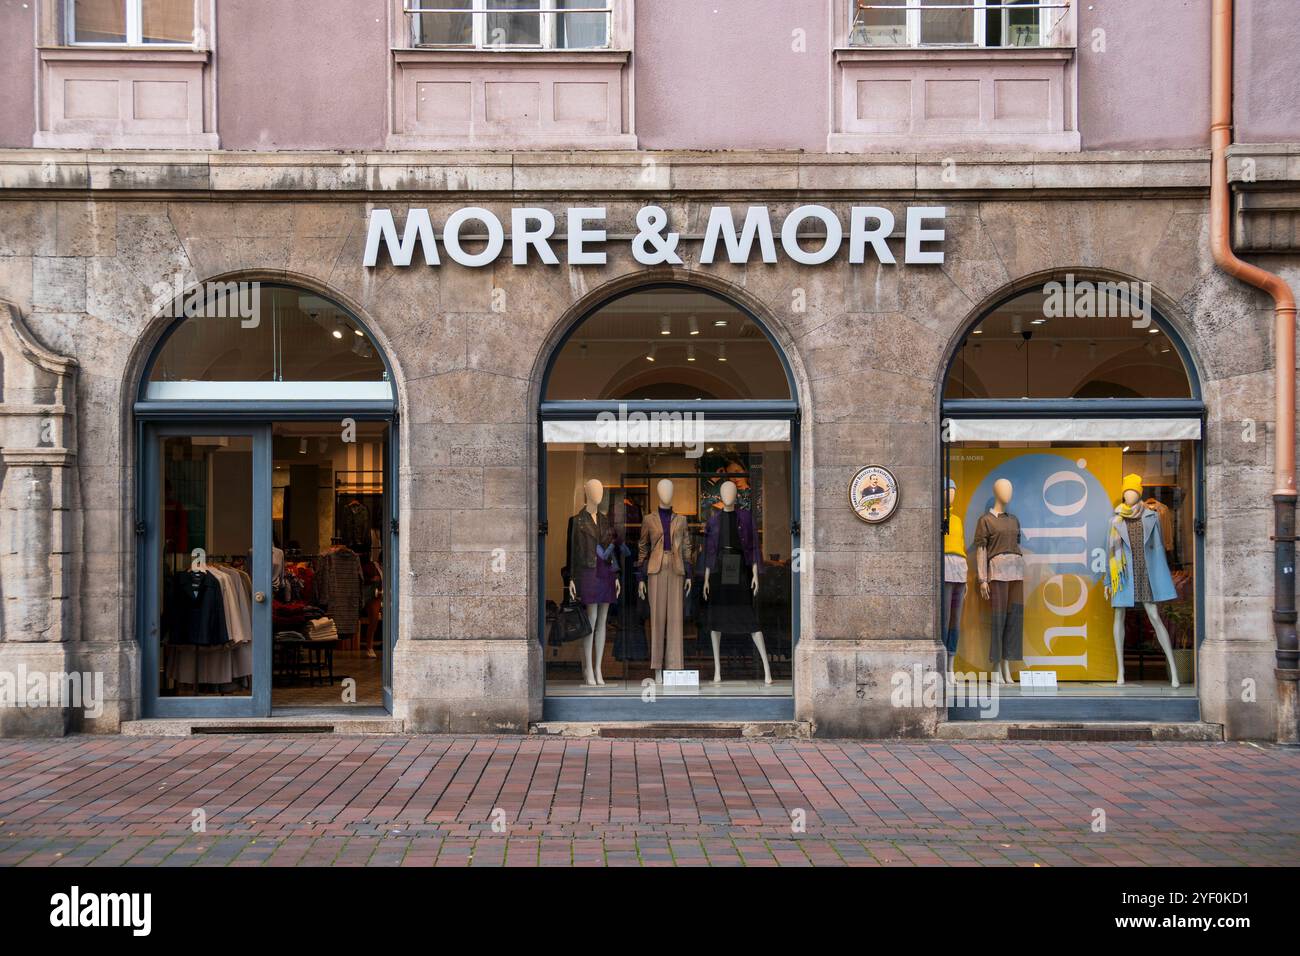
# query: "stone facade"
{"type": "Point", "coordinates": [85, 236]}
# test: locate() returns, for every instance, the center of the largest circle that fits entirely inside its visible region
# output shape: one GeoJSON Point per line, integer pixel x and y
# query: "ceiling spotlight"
{"type": "Point", "coordinates": [722, 351]}
{"type": "Point", "coordinates": [622, 451]}
{"type": "Point", "coordinates": [302, 446]}
{"type": "Point", "coordinates": [665, 325]}
{"type": "Point", "coordinates": [1016, 325]}
{"type": "Point", "coordinates": [978, 332]}
{"type": "Point", "coordinates": [690, 351]}
{"type": "Point", "coordinates": [358, 333]}
{"type": "Point", "coordinates": [337, 333]}
{"type": "Point", "coordinates": [1038, 322]}
{"type": "Point", "coordinates": [719, 323]}
{"type": "Point", "coordinates": [650, 355]}
{"type": "Point", "coordinates": [694, 324]}
{"type": "Point", "coordinates": [582, 350]}
{"type": "Point", "coordinates": [708, 450]}
{"type": "Point", "coordinates": [1092, 350]}
{"type": "Point", "coordinates": [1153, 331]}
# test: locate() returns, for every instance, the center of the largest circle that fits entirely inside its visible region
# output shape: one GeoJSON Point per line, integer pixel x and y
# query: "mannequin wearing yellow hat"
{"type": "Point", "coordinates": [1137, 571]}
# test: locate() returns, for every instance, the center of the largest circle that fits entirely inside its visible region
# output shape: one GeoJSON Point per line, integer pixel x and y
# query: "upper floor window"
{"type": "Point", "coordinates": [131, 22]}
{"type": "Point", "coordinates": [512, 24]}
{"type": "Point", "coordinates": [979, 23]}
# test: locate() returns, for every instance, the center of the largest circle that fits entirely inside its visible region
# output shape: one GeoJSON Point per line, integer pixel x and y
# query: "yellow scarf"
{"type": "Point", "coordinates": [1118, 563]}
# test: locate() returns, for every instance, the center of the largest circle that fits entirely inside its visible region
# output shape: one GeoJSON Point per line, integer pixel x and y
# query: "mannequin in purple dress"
{"type": "Point", "coordinates": [593, 575]}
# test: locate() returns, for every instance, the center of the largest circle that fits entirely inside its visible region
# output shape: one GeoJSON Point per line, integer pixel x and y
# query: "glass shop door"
{"type": "Point", "coordinates": [205, 569]}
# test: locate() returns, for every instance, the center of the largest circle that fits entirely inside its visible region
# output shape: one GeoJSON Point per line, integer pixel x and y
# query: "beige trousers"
{"type": "Point", "coordinates": [664, 595]}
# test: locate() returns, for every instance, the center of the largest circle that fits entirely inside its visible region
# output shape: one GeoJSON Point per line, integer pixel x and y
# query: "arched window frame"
{"type": "Point", "coordinates": [283, 399]}
{"type": "Point", "coordinates": [231, 407]}
{"type": "Point", "coordinates": [1193, 408]}
{"type": "Point", "coordinates": [742, 409]}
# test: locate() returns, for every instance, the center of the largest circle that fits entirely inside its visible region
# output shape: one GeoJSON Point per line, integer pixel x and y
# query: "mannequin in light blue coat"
{"type": "Point", "coordinates": [1160, 581]}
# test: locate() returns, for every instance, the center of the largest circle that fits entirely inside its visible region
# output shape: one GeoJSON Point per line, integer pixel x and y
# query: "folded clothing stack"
{"type": "Point", "coordinates": [321, 629]}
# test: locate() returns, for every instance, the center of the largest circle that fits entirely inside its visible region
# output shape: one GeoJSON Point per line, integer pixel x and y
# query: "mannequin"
{"type": "Point", "coordinates": [955, 572]}
{"type": "Point", "coordinates": [1138, 574]}
{"type": "Point", "coordinates": [726, 543]}
{"type": "Point", "coordinates": [593, 579]}
{"type": "Point", "coordinates": [1001, 570]}
{"type": "Point", "coordinates": [664, 559]}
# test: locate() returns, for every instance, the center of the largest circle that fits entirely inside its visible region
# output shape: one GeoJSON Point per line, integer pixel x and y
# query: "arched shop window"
{"type": "Point", "coordinates": [669, 499]}
{"type": "Point", "coordinates": [671, 344]}
{"type": "Point", "coordinates": [241, 340]}
{"type": "Point", "coordinates": [266, 483]}
{"type": "Point", "coordinates": [1070, 495]}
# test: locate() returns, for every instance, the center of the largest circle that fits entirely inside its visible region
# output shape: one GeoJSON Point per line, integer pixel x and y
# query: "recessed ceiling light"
{"type": "Point", "coordinates": [358, 333]}
{"type": "Point", "coordinates": [337, 333]}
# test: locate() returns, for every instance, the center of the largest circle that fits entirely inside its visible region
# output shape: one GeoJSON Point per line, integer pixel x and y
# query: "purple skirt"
{"type": "Point", "coordinates": [596, 585]}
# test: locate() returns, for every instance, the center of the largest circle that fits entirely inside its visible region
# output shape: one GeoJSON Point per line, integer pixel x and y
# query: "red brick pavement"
{"type": "Point", "coordinates": [528, 801]}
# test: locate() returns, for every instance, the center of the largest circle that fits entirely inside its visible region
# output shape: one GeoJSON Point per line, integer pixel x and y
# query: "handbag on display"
{"type": "Point", "coordinates": [571, 623]}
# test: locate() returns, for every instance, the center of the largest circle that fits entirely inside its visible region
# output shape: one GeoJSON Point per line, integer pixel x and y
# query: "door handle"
{"type": "Point", "coordinates": [259, 597]}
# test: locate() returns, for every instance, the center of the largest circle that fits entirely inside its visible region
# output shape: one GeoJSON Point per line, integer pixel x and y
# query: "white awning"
{"type": "Point", "coordinates": [653, 429]}
{"type": "Point", "coordinates": [1073, 429]}
{"type": "Point", "coordinates": [268, 391]}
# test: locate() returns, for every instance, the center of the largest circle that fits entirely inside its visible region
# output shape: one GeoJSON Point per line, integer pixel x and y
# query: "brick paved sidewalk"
{"type": "Point", "coordinates": [432, 800]}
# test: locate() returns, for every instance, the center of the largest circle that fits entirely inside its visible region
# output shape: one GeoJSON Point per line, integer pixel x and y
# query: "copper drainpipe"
{"type": "Point", "coordinates": [1284, 357]}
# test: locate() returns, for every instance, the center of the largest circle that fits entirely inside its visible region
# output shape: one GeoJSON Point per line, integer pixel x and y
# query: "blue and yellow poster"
{"type": "Point", "coordinates": [1065, 499]}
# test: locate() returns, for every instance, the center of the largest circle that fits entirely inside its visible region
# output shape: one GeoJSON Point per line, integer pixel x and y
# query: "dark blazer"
{"type": "Point", "coordinates": [196, 615]}
{"type": "Point", "coordinates": [748, 538]}
{"type": "Point", "coordinates": [584, 536]}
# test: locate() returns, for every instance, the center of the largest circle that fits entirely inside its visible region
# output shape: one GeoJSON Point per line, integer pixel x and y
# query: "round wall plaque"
{"type": "Point", "coordinates": [873, 493]}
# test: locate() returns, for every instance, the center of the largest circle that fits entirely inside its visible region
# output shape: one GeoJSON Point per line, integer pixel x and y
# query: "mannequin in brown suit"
{"type": "Point", "coordinates": [663, 568]}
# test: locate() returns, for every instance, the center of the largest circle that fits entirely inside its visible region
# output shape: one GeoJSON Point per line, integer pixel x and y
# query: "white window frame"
{"type": "Point", "coordinates": [134, 28]}
{"type": "Point", "coordinates": [914, 8]}
{"type": "Point", "coordinates": [480, 11]}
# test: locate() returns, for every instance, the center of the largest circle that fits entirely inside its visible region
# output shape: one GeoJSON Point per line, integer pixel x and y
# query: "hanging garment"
{"type": "Point", "coordinates": [1166, 521]}
{"type": "Point", "coordinates": [338, 587]}
{"type": "Point", "coordinates": [354, 526]}
{"type": "Point", "coordinates": [196, 612]}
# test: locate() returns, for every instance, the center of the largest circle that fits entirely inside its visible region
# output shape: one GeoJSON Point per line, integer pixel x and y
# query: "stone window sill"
{"type": "Point", "coordinates": [959, 54]}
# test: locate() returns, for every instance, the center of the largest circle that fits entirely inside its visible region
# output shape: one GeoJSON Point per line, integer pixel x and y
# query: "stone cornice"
{"type": "Point", "coordinates": [246, 175]}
